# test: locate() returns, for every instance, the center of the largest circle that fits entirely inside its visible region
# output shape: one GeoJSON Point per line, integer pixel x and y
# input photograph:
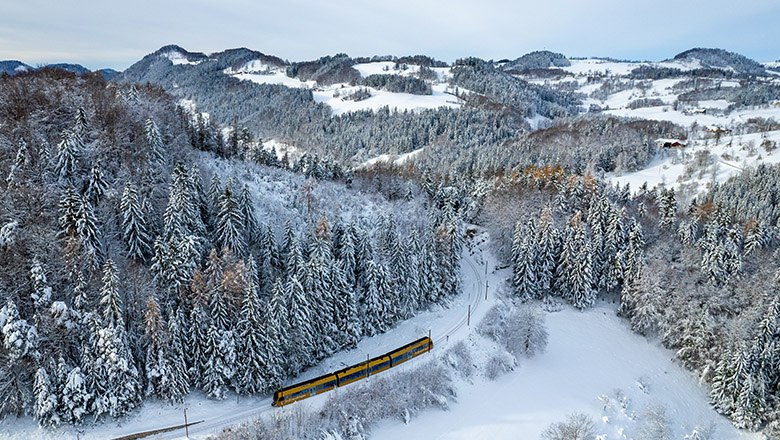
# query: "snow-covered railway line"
{"type": "Point", "coordinates": [440, 337]}
{"type": "Point", "coordinates": [474, 301]}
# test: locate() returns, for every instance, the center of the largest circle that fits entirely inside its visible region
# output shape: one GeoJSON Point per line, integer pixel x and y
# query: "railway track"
{"type": "Point", "coordinates": [440, 337]}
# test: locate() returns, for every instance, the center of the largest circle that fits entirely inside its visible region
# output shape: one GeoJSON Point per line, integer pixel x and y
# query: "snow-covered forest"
{"type": "Point", "coordinates": [137, 267]}
{"type": "Point", "coordinates": [219, 224]}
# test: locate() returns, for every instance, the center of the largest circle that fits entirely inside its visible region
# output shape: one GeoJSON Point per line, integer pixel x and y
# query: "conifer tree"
{"type": "Point", "coordinates": [257, 351]}
{"type": "Point", "coordinates": [300, 334]}
{"type": "Point", "coordinates": [68, 151]}
{"type": "Point", "coordinates": [155, 142]}
{"type": "Point", "coordinates": [574, 280]}
{"type": "Point", "coordinates": [247, 209]}
{"type": "Point", "coordinates": [176, 359]}
{"type": "Point", "coordinates": [134, 228]}
{"type": "Point", "coordinates": [278, 323]}
{"type": "Point", "coordinates": [548, 252]}
{"type": "Point", "coordinates": [96, 185]}
{"type": "Point", "coordinates": [158, 370]}
{"type": "Point", "coordinates": [375, 317]}
{"type": "Point", "coordinates": [45, 409]}
{"type": "Point", "coordinates": [229, 230]}
{"type": "Point", "coordinates": [75, 398]}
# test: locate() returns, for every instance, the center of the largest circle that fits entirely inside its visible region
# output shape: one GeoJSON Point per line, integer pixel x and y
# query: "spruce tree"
{"type": "Point", "coordinates": [375, 317]}
{"type": "Point", "coordinates": [229, 232]}
{"type": "Point", "coordinates": [251, 354]}
{"type": "Point", "coordinates": [155, 142]}
{"type": "Point", "coordinates": [75, 398]}
{"type": "Point", "coordinates": [134, 227]}
{"type": "Point", "coordinates": [45, 409]}
{"type": "Point", "coordinates": [301, 334]}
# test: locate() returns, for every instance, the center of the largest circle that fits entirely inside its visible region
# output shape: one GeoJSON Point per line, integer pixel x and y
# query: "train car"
{"type": "Point", "coordinates": [351, 374]}
{"type": "Point", "coordinates": [408, 351]}
{"type": "Point", "coordinates": [305, 389]}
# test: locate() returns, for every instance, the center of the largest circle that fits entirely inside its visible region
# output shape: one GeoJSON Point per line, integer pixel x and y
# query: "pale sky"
{"type": "Point", "coordinates": [111, 34]}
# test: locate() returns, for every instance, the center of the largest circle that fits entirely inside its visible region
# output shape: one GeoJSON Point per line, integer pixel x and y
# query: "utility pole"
{"type": "Point", "coordinates": [468, 317]}
{"type": "Point", "coordinates": [486, 280]}
{"type": "Point", "coordinates": [186, 425]}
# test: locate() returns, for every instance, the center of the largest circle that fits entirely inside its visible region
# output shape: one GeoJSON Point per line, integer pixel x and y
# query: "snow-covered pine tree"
{"type": "Point", "coordinates": [429, 268]}
{"type": "Point", "coordinates": [20, 339]}
{"type": "Point", "coordinates": [96, 185]}
{"type": "Point", "coordinates": [68, 152]}
{"type": "Point", "coordinates": [375, 318]}
{"type": "Point", "coordinates": [548, 251]}
{"type": "Point", "coordinates": [268, 264]}
{"type": "Point", "coordinates": [212, 201]}
{"type": "Point", "coordinates": [525, 261]}
{"type": "Point", "coordinates": [220, 364]}
{"type": "Point", "coordinates": [347, 318]}
{"type": "Point", "coordinates": [87, 231]}
{"type": "Point", "coordinates": [247, 209]}
{"type": "Point", "coordinates": [114, 366]}
{"type": "Point", "coordinates": [176, 357]}
{"type": "Point", "coordinates": [574, 280]}
{"type": "Point", "coordinates": [346, 253]}
{"type": "Point", "coordinates": [110, 300]}
{"type": "Point", "coordinates": [74, 405]}
{"type": "Point", "coordinates": [69, 213]}
{"type": "Point", "coordinates": [667, 208]}
{"type": "Point", "coordinates": [158, 371]}
{"type": "Point", "coordinates": [198, 344]}
{"type": "Point", "coordinates": [257, 351]}
{"type": "Point", "coordinates": [41, 293]}
{"type": "Point", "coordinates": [134, 227]}
{"type": "Point", "coordinates": [229, 231]}
{"type": "Point", "coordinates": [301, 343]}
{"type": "Point", "coordinates": [155, 141]}
{"type": "Point", "coordinates": [278, 322]}
{"type": "Point", "coordinates": [319, 289]}
{"type": "Point", "coordinates": [45, 409]}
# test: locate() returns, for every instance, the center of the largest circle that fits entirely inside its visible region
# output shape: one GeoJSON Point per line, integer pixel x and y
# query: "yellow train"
{"type": "Point", "coordinates": [354, 373]}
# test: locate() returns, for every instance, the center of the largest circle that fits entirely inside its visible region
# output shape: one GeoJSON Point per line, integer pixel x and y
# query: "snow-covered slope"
{"type": "Point", "coordinates": [594, 364]}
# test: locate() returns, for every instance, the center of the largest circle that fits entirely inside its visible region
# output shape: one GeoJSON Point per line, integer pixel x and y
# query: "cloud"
{"type": "Point", "coordinates": [116, 34]}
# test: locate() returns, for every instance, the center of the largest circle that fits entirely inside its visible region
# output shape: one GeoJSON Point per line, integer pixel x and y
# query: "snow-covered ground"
{"type": "Point", "coordinates": [677, 168]}
{"type": "Point", "coordinates": [593, 364]}
{"type": "Point", "coordinates": [335, 96]}
{"type": "Point", "coordinates": [178, 58]}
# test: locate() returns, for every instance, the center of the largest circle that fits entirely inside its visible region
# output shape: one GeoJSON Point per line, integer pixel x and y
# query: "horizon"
{"type": "Point", "coordinates": [93, 68]}
{"type": "Point", "coordinates": [115, 35]}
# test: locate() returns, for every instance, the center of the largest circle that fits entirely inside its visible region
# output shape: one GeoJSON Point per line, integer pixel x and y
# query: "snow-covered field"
{"type": "Point", "coordinates": [593, 364]}
{"type": "Point", "coordinates": [335, 95]}
{"type": "Point", "coordinates": [675, 168]}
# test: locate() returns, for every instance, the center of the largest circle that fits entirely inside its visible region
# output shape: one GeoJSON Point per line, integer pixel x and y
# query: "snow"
{"type": "Point", "coordinates": [334, 97]}
{"type": "Point", "coordinates": [282, 148]}
{"type": "Point", "coordinates": [731, 155]}
{"type": "Point", "coordinates": [600, 66]}
{"type": "Point", "coordinates": [177, 58]}
{"type": "Point", "coordinates": [592, 360]}
{"type": "Point", "coordinates": [21, 68]}
{"type": "Point", "coordinates": [395, 159]}
{"type": "Point", "coordinates": [386, 68]}
{"type": "Point", "coordinates": [274, 77]}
